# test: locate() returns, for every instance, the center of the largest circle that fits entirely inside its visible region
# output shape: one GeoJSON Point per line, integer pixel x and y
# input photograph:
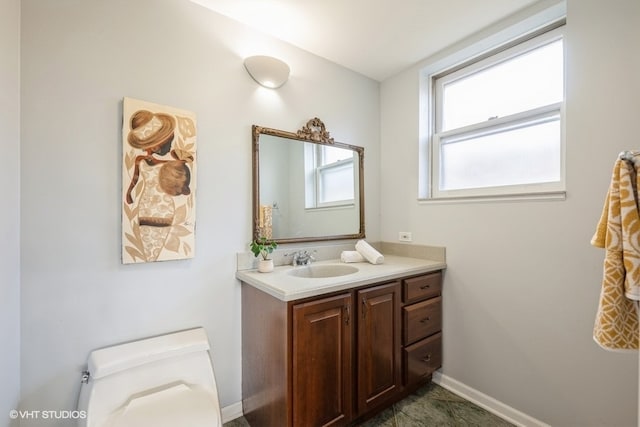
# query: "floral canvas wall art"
{"type": "Point", "coordinates": [158, 182]}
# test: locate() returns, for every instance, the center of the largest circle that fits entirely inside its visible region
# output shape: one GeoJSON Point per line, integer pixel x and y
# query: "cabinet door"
{"type": "Point", "coordinates": [322, 361]}
{"type": "Point", "coordinates": [379, 349]}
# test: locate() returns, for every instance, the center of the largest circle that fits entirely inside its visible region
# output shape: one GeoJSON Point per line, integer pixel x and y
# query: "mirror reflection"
{"type": "Point", "coordinates": [307, 187]}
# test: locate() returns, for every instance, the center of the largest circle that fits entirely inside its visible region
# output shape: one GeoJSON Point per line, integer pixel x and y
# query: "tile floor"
{"type": "Point", "coordinates": [431, 405]}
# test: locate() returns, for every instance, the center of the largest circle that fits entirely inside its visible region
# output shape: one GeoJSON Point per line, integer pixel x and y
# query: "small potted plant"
{"type": "Point", "coordinates": [263, 247]}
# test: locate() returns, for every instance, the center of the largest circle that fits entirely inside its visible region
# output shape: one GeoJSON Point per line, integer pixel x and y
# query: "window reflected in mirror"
{"type": "Point", "coordinates": [329, 174]}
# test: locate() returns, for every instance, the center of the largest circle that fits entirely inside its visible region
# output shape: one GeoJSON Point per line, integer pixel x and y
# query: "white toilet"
{"type": "Point", "coordinates": [164, 381]}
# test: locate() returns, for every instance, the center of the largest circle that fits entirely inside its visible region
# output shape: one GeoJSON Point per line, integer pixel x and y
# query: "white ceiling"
{"type": "Point", "coordinates": [377, 38]}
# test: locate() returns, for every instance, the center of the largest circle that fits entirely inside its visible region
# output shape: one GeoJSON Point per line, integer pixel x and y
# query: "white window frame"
{"type": "Point", "coordinates": [320, 170]}
{"type": "Point", "coordinates": [314, 160]}
{"type": "Point", "coordinates": [512, 48]}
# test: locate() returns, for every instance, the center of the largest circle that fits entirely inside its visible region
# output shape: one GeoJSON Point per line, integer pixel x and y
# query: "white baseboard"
{"type": "Point", "coordinates": [231, 412]}
{"type": "Point", "coordinates": [506, 412]}
{"type": "Point", "coordinates": [487, 402]}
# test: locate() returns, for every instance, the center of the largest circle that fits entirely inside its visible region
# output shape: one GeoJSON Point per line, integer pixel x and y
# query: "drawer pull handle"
{"type": "Point", "coordinates": [425, 287]}
{"type": "Point", "coordinates": [427, 358]}
{"type": "Point", "coordinates": [425, 320]}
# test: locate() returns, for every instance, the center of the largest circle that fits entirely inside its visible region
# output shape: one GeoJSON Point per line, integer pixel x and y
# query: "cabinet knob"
{"type": "Point", "coordinates": [425, 287]}
{"type": "Point", "coordinates": [425, 320]}
{"type": "Point", "coordinates": [427, 358]}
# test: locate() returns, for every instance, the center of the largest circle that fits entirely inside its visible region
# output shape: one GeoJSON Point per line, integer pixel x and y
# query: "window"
{"type": "Point", "coordinates": [497, 124]}
{"type": "Point", "coordinates": [330, 176]}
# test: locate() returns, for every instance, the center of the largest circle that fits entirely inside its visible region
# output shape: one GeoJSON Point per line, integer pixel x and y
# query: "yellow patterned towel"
{"type": "Point", "coordinates": [265, 221]}
{"type": "Point", "coordinates": [618, 232]}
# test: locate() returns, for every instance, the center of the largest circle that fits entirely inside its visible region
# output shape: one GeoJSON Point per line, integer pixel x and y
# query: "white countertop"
{"type": "Point", "coordinates": [286, 287]}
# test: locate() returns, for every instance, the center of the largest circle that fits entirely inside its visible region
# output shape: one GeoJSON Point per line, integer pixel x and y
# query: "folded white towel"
{"type": "Point", "coordinates": [369, 252]}
{"type": "Point", "coordinates": [351, 256]}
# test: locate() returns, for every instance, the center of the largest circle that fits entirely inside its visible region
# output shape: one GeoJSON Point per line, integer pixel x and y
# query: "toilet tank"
{"type": "Point", "coordinates": [120, 374]}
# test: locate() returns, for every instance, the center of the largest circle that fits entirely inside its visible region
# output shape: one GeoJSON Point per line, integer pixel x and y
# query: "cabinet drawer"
{"type": "Point", "coordinates": [422, 358]}
{"type": "Point", "coordinates": [421, 287]}
{"type": "Point", "coordinates": [421, 320]}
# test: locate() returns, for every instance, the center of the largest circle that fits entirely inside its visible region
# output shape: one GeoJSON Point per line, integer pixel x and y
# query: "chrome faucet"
{"type": "Point", "coordinates": [302, 258]}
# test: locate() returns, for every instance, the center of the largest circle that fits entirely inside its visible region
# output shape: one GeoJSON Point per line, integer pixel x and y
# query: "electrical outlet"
{"type": "Point", "coordinates": [405, 236]}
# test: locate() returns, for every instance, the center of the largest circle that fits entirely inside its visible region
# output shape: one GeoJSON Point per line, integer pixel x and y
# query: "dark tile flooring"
{"type": "Point", "coordinates": [431, 405]}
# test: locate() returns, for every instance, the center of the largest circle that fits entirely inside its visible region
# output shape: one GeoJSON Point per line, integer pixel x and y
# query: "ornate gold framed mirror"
{"type": "Point", "coordinates": [306, 186]}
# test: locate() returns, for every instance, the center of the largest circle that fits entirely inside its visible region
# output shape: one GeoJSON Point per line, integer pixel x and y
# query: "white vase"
{"type": "Point", "coordinates": [265, 265]}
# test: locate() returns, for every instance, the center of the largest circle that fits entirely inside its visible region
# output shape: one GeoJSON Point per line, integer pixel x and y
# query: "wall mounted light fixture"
{"type": "Point", "coordinates": [267, 71]}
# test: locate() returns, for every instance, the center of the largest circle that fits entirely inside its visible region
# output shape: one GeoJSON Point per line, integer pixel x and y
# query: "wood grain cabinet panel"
{"type": "Point", "coordinates": [421, 287]}
{"type": "Point", "coordinates": [421, 320]}
{"type": "Point", "coordinates": [422, 358]}
{"type": "Point", "coordinates": [322, 362]}
{"type": "Point", "coordinates": [379, 356]}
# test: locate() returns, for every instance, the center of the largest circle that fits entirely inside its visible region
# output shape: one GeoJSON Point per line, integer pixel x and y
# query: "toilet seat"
{"type": "Point", "coordinates": [178, 405]}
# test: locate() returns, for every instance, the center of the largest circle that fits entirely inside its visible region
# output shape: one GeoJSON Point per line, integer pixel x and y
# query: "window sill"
{"type": "Point", "coordinates": [548, 196]}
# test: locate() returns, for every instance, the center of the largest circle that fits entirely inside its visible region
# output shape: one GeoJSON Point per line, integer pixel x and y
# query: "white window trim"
{"type": "Point", "coordinates": [313, 156]}
{"type": "Point", "coordinates": [538, 115]}
{"type": "Point", "coordinates": [553, 14]}
{"type": "Point", "coordinates": [319, 171]}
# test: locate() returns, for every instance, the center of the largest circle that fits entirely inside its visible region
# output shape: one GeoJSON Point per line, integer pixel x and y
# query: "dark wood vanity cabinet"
{"type": "Point", "coordinates": [333, 359]}
{"type": "Point", "coordinates": [421, 328]}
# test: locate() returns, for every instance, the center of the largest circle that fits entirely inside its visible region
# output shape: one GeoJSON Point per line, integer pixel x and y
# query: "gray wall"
{"type": "Point", "coordinates": [522, 284]}
{"type": "Point", "coordinates": [79, 58]}
{"type": "Point", "coordinates": [10, 211]}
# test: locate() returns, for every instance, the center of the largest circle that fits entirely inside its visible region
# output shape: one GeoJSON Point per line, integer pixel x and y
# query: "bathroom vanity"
{"type": "Point", "coordinates": [337, 349]}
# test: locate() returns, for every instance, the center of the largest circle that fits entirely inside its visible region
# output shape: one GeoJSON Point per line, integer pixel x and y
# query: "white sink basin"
{"type": "Point", "coordinates": [323, 270]}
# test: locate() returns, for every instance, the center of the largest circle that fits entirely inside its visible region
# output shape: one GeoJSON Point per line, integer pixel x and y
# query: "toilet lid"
{"type": "Point", "coordinates": [180, 405]}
